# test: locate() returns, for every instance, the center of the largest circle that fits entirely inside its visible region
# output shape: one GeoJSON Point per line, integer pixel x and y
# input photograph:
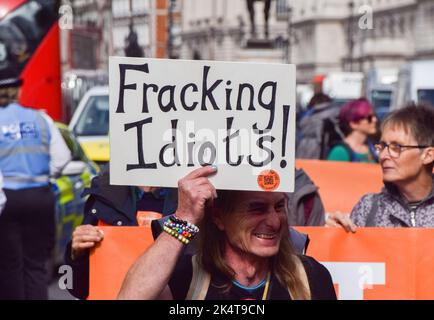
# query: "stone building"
{"type": "Point", "coordinates": [101, 27]}
{"type": "Point", "coordinates": [319, 36]}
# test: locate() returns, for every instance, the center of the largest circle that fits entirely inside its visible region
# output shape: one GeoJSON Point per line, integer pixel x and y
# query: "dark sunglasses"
{"type": "Point", "coordinates": [369, 118]}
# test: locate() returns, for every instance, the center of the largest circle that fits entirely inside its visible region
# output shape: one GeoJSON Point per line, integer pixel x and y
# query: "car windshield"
{"type": "Point", "coordinates": [426, 96]}
{"type": "Point", "coordinates": [381, 100]}
{"type": "Point", "coordinates": [21, 32]}
{"type": "Point", "coordinates": [94, 120]}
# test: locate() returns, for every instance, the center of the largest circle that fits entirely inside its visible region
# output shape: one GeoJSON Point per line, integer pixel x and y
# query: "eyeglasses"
{"type": "Point", "coordinates": [369, 118]}
{"type": "Point", "coordinates": [394, 149]}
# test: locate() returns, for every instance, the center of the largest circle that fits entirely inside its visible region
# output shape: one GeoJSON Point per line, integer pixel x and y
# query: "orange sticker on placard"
{"type": "Point", "coordinates": [268, 180]}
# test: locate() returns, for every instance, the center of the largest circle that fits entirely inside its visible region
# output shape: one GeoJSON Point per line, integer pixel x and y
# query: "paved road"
{"type": "Point", "coordinates": [55, 293]}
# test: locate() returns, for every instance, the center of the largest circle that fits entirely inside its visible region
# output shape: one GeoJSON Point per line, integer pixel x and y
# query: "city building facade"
{"type": "Point", "coordinates": [102, 28]}
{"type": "Point", "coordinates": [319, 36]}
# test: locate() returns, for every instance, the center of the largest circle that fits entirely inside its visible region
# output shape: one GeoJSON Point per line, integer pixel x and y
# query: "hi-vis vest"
{"type": "Point", "coordinates": [24, 148]}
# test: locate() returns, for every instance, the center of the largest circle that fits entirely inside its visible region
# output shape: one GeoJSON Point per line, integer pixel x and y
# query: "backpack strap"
{"type": "Point", "coordinates": [199, 282]}
{"type": "Point", "coordinates": [351, 153]}
{"type": "Point", "coordinates": [302, 275]}
{"type": "Point", "coordinates": [370, 219]}
{"type": "Point", "coordinates": [331, 135]}
{"type": "Point", "coordinates": [372, 155]}
{"type": "Point", "coordinates": [372, 151]}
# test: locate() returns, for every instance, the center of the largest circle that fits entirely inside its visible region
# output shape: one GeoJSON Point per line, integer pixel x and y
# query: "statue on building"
{"type": "Point", "coordinates": [251, 8]}
{"type": "Point", "coordinates": [132, 47]}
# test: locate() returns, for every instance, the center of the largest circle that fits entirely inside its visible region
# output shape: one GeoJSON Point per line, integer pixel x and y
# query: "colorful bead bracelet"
{"type": "Point", "coordinates": [174, 234]}
{"type": "Point", "coordinates": [180, 229]}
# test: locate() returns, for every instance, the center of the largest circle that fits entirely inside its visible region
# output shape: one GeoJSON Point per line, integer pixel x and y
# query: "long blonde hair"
{"type": "Point", "coordinates": [211, 251]}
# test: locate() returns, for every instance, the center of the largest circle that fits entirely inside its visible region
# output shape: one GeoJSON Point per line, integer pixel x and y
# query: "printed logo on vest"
{"type": "Point", "coordinates": [28, 130]}
{"type": "Point", "coordinates": [17, 131]}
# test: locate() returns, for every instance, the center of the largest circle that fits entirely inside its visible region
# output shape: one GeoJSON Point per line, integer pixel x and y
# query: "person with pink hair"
{"type": "Point", "coordinates": [357, 122]}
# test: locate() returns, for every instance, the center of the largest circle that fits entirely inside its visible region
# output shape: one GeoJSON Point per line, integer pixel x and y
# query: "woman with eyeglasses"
{"type": "Point", "coordinates": [357, 122]}
{"type": "Point", "coordinates": [406, 156]}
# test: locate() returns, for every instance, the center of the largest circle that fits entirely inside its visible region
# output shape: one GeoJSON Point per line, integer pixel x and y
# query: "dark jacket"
{"type": "Point", "coordinates": [114, 205]}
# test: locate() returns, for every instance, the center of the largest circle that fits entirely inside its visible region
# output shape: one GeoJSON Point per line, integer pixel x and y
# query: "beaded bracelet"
{"type": "Point", "coordinates": [185, 228]}
{"type": "Point", "coordinates": [180, 229]}
{"type": "Point", "coordinates": [174, 234]}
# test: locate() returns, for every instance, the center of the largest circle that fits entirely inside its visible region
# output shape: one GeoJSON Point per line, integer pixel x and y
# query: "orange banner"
{"type": "Point", "coordinates": [110, 261]}
{"type": "Point", "coordinates": [342, 184]}
{"type": "Point", "coordinates": [391, 263]}
{"type": "Point", "coordinates": [373, 263]}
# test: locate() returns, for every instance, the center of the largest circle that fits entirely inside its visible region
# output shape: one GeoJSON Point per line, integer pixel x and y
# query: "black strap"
{"type": "Point", "coordinates": [351, 153]}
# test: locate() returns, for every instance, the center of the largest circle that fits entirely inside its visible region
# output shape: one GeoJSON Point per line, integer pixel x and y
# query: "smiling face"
{"type": "Point", "coordinates": [256, 224]}
{"type": "Point", "coordinates": [410, 165]}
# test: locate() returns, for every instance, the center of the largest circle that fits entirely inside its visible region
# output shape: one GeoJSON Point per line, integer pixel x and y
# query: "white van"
{"type": "Point", "coordinates": [415, 84]}
{"type": "Point", "coordinates": [343, 86]}
{"type": "Point", "coordinates": [379, 88]}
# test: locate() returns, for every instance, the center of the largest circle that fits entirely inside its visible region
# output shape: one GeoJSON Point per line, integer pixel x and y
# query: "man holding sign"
{"type": "Point", "coordinates": [244, 252]}
{"type": "Point", "coordinates": [241, 117]}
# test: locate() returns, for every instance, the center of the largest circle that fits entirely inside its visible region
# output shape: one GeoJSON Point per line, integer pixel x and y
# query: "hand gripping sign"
{"type": "Point", "coordinates": [168, 117]}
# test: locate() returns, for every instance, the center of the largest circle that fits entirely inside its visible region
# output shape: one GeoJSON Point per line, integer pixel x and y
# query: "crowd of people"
{"type": "Point", "coordinates": [253, 254]}
{"type": "Point", "coordinates": [210, 244]}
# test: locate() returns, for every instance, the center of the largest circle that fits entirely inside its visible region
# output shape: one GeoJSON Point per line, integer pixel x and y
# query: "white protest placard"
{"type": "Point", "coordinates": [168, 117]}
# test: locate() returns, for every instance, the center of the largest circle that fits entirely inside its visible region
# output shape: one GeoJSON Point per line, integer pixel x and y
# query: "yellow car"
{"type": "Point", "coordinates": [90, 124]}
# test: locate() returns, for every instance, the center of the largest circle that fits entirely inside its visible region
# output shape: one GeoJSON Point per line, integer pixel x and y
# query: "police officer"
{"type": "Point", "coordinates": [31, 151]}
